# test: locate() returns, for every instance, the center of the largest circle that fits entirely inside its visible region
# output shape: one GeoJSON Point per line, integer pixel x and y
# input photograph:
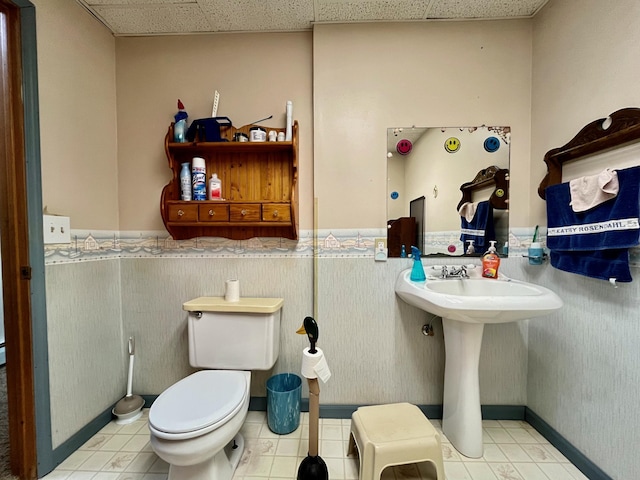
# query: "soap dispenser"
{"type": "Point", "coordinates": [490, 262]}
{"type": "Point", "coordinates": [470, 249]}
{"type": "Point", "coordinates": [417, 271]}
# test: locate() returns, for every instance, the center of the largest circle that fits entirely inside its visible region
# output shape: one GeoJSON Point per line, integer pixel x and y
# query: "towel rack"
{"type": "Point", "coordinates": [619, 128]}
{"type": "Point", "coordinates": [486, 177]}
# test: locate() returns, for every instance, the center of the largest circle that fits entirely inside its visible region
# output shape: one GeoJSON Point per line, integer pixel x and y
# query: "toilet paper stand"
{"type": "Point", "coordinates": [314, 364]}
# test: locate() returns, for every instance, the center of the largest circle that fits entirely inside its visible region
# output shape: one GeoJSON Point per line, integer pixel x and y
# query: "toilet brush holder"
{"type": "Point", "coordinates": [129, 409]}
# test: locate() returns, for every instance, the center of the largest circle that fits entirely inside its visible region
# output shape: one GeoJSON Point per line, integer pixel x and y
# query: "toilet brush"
{"type": "Point", "coordinates": [129, 408]}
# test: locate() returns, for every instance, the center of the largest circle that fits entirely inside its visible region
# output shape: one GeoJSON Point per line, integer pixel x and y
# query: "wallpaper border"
{"type": "Point", "coordinates": [93, 245]}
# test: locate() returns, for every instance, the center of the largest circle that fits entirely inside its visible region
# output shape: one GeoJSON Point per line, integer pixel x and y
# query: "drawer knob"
{"type": "Point", "coordinates": [211, 213]}
{"type": "Point", "coordinates": [243, 212]}
{"type": "Point", "coordinates": [275, 213]}
{"type": "Point", "coordinates": [180, 212]}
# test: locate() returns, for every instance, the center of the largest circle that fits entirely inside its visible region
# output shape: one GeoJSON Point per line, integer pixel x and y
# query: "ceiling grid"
{"type": "Point", "coordinates": [162, 17]}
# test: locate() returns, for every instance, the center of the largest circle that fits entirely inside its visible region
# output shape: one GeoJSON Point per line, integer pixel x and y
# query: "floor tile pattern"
{"type": "Point", "coordinates": [513, 451]}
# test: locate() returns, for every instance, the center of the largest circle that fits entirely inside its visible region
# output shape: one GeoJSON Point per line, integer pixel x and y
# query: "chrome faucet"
{"type": "Point", "coordinates": [455, 272]}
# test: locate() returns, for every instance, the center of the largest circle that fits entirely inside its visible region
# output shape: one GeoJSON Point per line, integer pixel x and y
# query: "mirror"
{"type": "Point", "coordinates": [431, 172]}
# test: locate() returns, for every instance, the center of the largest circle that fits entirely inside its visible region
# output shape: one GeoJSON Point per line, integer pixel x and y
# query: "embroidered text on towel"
{"type": "Point", "coordinates": [608, 226]}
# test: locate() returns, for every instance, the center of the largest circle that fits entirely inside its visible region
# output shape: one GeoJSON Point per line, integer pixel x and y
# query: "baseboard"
{"type": "Point", "coordinates": [489, 412]}
{"type": "Point", "coordinates": [575, 456]}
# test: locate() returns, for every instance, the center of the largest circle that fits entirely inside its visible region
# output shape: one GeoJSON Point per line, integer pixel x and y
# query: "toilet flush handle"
{"type": "Point", "coordinates": [198, 315]}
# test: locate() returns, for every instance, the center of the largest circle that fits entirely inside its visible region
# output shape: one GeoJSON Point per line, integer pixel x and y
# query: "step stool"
{"type": "Point", "coordinates": [393, 434]}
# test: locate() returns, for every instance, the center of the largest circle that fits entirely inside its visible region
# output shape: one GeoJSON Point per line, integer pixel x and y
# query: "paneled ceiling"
{"type": "Point", "coordinates": [159, 17]}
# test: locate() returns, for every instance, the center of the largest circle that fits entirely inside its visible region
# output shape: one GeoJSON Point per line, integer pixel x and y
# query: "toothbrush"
{"type": "Point", "coordinates": [535, 234]}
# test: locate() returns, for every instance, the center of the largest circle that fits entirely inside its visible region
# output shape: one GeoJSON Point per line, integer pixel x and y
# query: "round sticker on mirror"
{"type": "Point", "coordinates": [491, 144]}
{"type": "Point", "coordinates": [452, 144]}
{"type": "Point", "coordinates": [404, 146]}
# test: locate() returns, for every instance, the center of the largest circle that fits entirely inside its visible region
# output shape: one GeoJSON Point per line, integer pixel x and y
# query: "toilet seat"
{"type": "Point", "coordinates": [199, 403]}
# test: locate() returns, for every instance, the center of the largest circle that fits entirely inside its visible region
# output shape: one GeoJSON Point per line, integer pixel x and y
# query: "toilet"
{"type": "Point", "coordinates": [195, 424]}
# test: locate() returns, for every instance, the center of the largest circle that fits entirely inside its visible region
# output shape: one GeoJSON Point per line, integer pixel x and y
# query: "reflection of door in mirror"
{"type": "Point", "coordinates": [439, 162]}
{"type": "Point", "coordinates": [416, 211]}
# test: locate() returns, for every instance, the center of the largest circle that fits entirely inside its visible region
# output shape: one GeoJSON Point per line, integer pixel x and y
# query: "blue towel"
{"type": "Point", "coordinates": [480, 229]}
{"type": "Point", "coordinates": [595, 243]}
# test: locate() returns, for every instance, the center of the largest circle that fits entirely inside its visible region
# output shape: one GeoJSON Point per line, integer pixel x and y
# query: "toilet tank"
{"type": "Point", "coordinates": [243, 335]}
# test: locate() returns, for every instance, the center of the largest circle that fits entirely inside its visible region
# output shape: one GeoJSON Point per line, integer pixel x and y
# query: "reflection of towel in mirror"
{"type": "Point", "coordinates": [589, 192]}
{"type": "Point", "coordinates": [480, 228]}
{"type": "Point", "coordinates": [595, 242]}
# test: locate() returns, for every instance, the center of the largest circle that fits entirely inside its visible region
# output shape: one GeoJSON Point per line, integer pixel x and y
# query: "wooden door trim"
{"type": "Point", "coordinates": [16, 267]}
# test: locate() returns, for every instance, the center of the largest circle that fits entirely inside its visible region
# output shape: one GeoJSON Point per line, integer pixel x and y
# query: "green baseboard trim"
{"type": "Point", "coordinates": [575, 456]}
{"type": "Point", "coordinates": [503, 412]}
{"type": "Point", "coordinates": [489, 412]}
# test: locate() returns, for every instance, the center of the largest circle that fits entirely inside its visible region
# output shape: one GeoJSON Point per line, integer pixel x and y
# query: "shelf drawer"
{"type": "Point", "coordinates": [183, 213]}
{"type": "Point", "coordinates": [213, 213]}
{"type": "Point", "coordinates": [276, 212]}
{"type": "Point", "coordinates": [244, 212]}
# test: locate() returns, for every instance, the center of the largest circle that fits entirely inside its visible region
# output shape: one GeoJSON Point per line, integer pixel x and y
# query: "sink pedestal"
{"type": "Point", "coordinates": [461, 418]}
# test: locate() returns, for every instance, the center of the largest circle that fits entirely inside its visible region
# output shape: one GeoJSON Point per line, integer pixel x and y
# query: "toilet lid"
{"type": "Point", "coordinates": [198, 401]}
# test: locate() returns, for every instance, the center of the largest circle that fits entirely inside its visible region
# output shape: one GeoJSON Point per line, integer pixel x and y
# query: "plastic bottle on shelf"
{"type": "Point", "coordinates": [199, 178]}
{"type": "Point", "coordinates": [215, 188]}
{"type": "Point", "coordinates": [185, 182]}
{"type": "Point", "coordinates": [289, 134]}
{"type": "Point", "coordinates": [180, 125]}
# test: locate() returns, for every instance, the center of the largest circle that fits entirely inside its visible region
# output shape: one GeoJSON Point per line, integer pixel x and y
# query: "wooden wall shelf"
{"type": "Point", "coordinates": [259, 187]}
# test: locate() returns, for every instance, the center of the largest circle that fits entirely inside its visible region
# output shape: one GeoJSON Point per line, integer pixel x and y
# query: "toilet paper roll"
{"type": "Point", "coordinates": [232, 291]}
{"type": "Point", "coordinates": [314, 365]}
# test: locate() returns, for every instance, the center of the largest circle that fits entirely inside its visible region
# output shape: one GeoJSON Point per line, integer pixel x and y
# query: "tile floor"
{"type": "Point", "coordinates": [513, 451]}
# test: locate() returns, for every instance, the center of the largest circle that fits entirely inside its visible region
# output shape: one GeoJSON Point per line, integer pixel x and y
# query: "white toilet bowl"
{"type": "Point", "coordinates": [193, 421]}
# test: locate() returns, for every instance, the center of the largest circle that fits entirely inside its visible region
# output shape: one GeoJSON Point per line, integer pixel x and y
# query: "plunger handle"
{"type": "Point", "coordinates": [314, 415]}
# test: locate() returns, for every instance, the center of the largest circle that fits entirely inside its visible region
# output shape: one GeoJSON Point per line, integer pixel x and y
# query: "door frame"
{"type": "Point", "coordinates": [22, 250]}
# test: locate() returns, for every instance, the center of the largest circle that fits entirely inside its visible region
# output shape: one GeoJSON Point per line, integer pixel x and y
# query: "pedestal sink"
{"type": "Point", "coordinates": [465, 305]}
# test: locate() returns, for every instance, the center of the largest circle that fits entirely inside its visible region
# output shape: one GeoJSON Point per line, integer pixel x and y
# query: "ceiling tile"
{"type": "Point", "coordinates": [369, 10]}
{"type": "Point", "coordinates": [154, 19]}
{"type": "Point", "coordinates": [134, 2]}
{"type": "Point", "coordinates": [484, 8]}
{"type": "Point", "coordinates": [261, 15]}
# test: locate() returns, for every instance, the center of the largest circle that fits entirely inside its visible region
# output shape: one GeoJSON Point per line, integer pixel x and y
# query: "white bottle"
{"type": "Point", "coordinates": [199, 178]}
{"type": "Point", "coordinates": [185, 182]}
{"type": "Point", "coordinates": [289, 135]}
{"type": "Point", "coordinates": [215, 188]}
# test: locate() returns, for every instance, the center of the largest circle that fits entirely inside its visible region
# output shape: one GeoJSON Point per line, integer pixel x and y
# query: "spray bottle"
{"type": "Point", "coordinates": [417, 271]}
{"type": "Point", "coordinates": [180, 126]}
{"type": "Point", "coordinates": [490, 262]}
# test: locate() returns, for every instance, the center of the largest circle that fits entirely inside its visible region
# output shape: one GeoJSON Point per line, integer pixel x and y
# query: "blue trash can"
{"type": "Point", "coordinates": [283, 402]}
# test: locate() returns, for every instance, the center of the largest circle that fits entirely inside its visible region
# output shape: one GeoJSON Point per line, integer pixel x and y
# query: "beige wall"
{"type": "Point", "coordinates": [585, 66]}
{"type": "Point", "coordinates": [77, 89]}
{"type": "Point", "coordinates": [373, 76]}
{"type": "Point", "coordinates": [255, 75]}
{"type": "Point", "coordinates": [583, 362]}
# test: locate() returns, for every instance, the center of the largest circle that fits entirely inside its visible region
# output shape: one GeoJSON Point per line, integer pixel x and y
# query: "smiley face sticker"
{"type": "Point", "coordinates": [452, 144]}
{"type": "Point", "coordinates": [404, 146]}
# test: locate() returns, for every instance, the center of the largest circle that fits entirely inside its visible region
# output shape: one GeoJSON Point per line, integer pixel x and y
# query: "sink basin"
{"type": "Point", "coordinates": [466, 305]}
{"type": "Point", "coordinates": [477, 299]}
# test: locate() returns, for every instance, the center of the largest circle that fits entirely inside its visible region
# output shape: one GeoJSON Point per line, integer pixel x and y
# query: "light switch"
{"type": "Point", "coordinates": [57, 229]}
